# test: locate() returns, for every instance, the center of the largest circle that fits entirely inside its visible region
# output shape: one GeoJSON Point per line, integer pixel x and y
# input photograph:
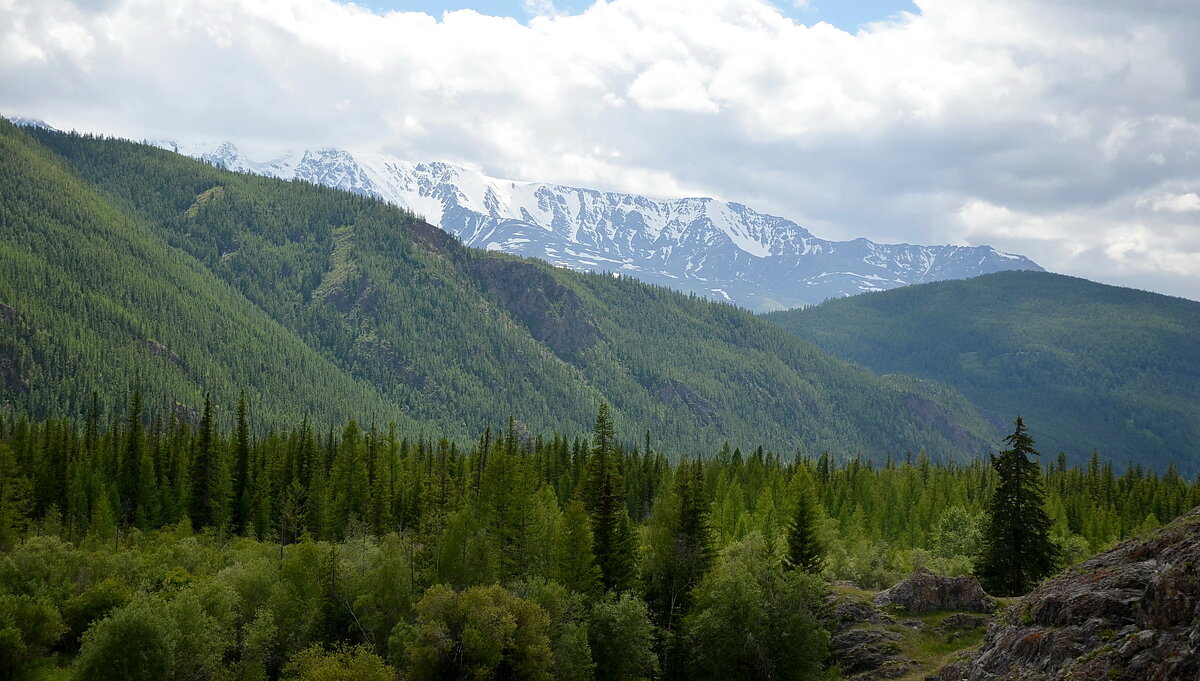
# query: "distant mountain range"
{"type": "Point", "coordinates": [724, 251]}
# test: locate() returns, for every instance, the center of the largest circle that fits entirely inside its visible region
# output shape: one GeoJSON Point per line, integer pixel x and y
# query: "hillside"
{"type": "Point", "coordinates": [92, 298]}
{"type": "Point", "coordinates": [1091, 367]}
{"type": "Point", "coordinates": [315, 298]}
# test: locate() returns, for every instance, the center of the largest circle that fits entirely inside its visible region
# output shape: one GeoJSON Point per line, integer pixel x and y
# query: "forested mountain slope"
{"type": "Point", "coordinates": [370, 306]}
{"type": "Point", "coordinates": [1089, 366]}
{"type": "Point", "coordinates": [92, 298]}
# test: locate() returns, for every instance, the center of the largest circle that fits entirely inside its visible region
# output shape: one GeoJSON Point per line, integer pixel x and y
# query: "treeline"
{"type": "Point", "coordinates": [141, 544]}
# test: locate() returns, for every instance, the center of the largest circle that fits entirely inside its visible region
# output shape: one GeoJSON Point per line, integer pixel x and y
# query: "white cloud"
{"type": "Point", "coordinates": [1178, 203]}
{"type": "Point", "coordinates": [1068, 129]}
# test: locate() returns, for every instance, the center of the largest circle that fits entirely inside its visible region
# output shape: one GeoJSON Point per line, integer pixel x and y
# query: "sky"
{"type": "Point", "coordinates": [1064, 130]}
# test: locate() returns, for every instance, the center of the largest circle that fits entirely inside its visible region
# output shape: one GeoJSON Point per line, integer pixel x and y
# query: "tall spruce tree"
{"type": "Point", "coordinates": [805, 550]}
{"type": "Point", "coordinates": [604, 498]}
{"type": "Point", "coordinates": [242, 492]}
{"type": "Point", "coordinates": [1017, 549]}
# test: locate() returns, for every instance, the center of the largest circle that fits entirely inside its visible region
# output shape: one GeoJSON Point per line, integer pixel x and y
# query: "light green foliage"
{"type": "Point", "coordinates": [754, 620]}
{"type": "Point", "coordinates": [567, 612]}
{"type": "Point", "coordinates": [136, 643]}
{"type": "Point", "coordinates": [482, 633]}
{"type": "Point", "coordinates": [258, 639]}
{"type": "Point", "coordinates": [343, 663]}
{"type": "Point", "coordinates": [92, 604]}
{"type": "Point", "coordinates": [575, 562]}
{"type": "Point", "coordinates": [622, 639]}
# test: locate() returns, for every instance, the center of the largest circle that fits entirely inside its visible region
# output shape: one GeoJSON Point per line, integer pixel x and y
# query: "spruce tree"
{"type": "Point", "coordinates": [131, 460]}
{"type": "Point", "coordinates": [242, 493]}
{"type": "Point", "coordinates": [205, 471]}
{"type": "Point", "coordinates": [1017, 549]}
{"type": "Point", "coordinates": [805, 551]}
{"type": "Point", "coordinates": [604, 498]}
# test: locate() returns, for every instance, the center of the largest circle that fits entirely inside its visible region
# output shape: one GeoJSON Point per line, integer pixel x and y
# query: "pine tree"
{"type": "Point", "coordinates": [805, 551]}
{"type": "Point", "coordinates": [1017, 551]}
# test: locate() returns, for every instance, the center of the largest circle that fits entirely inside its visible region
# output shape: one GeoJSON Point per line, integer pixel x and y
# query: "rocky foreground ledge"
{"type": "Point", "coordinates": [1131, 613]}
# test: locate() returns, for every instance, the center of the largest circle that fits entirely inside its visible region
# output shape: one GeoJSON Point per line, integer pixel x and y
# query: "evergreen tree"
{"type": "Point", "coordinates": [205, 471]}
{"type": "Point", "coordinates": [131, 460]}
{"type": "Point", "coordinates": [805, 551]}
{"type": "Point", "coordinates": [604, 498]}
{"type": "Point", "coordinates": [575, 561]}
{"type": "Point", "coordinates": [1017, 549]}
{"type": "Point", "coordinates": [349, 484]}
{"type": "Point", "coordinates": [242, 493]}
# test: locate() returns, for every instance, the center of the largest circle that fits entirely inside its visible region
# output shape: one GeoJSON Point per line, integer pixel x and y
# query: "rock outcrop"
{"type": "Point", "coordinates": [925, 591]}
{"type": "Point", "coordinates": [1131, 613]}
{"type": "Point", "coordinates": [862, 648]}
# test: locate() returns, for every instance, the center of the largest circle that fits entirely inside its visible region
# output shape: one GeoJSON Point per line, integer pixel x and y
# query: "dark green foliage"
{"type": "Point", "coordinates": [123, 262]}
{"type": "Point", "coordinates": [1017, 549]}
{"type": "Point", "coordinates": [1091, 366]}
{"type": "Point", "coordinates": [604, 500]}
{"type": "Point", "coordinates": [805, 550]}
{"type": "Point", "coordinates": [28, 627]}
{"type": "Point", "coordinates": [242, 498]}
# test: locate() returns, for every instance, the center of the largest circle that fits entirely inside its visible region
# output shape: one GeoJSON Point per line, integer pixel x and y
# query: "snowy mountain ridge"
{"type": "Point", "coordinates": [713, 248]}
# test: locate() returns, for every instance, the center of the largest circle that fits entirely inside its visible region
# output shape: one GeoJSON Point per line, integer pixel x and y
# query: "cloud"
{"type": "Point", "coordinates": [1067, 130]}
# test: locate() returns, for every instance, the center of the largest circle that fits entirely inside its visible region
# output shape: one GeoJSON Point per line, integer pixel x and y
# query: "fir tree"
{"type": "Point", "coordinates": [604, 498]}
{"type": "Point", "coordinates": [1017, 549]}
{"type": "Point", "coordinates": [805, 551]}
{"type": "Point", "coordinates": [205, 471]}
{"type": "Point", "coordinates": [242, 493]}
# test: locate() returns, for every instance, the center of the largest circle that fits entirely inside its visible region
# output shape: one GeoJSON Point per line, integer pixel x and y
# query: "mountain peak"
{"type": "Point", "coordinates": [717, 249]}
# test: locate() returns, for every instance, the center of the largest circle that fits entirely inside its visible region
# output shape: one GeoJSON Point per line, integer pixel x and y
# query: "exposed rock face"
{"type": "Point", "coordinates": [925, 591]}
{"type": "Point", "coordinates": [864, 652]}
{"type": "Point", "coordinates": [552, 312]}
{"type": "Point", "coordinates": [1131, 613]}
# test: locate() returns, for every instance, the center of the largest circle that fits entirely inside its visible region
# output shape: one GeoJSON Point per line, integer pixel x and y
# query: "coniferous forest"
{"type": "Point", "coordinates": [138, 545]}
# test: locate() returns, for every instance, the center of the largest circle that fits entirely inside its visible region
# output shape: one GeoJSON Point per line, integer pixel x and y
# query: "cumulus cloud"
{"type": "Point", "coordinates": [1066, 130]}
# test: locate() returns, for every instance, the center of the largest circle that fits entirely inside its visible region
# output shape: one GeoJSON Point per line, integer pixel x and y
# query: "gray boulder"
{"type": "Point", "coordinates": [925, 591]}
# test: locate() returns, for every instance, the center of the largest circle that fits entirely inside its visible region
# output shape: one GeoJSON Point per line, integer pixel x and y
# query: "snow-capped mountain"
{"type": "Point", "coordinates": [716, 249]}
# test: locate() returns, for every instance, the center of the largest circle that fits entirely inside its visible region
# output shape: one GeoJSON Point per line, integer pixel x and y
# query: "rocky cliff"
{"type": "Point", "coordinates": [1131, 613]}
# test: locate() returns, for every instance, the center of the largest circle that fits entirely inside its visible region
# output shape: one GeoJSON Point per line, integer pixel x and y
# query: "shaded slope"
{"type": "Point", "coordinates": [95, 300]}
{"type": "Point", "coordinates": [458, 339]}
{"type": "Point", "coordinates": [1089, 366]}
